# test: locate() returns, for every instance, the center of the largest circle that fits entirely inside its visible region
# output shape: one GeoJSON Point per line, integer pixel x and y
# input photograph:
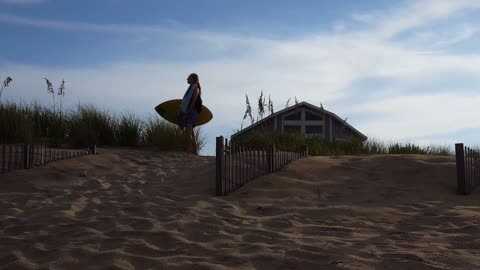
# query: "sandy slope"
{"type": "Point", "coordinates": [131, 209]}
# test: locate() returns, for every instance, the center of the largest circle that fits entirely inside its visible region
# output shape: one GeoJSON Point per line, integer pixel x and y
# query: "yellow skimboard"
{"type": "Point", "coordinates": [169, 111]}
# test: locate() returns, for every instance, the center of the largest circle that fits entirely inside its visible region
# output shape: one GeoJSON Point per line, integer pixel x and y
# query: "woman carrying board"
{"type": "Point", "coordinates": [189, 109]}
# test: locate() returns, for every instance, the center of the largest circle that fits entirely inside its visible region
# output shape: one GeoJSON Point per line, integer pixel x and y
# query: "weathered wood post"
{"type": "Point", "coordinates": [26, 156]}
{"type": "Point", "coordinates": [31, 155]}
{"type": "Point", "coordinates": [93, 149]}
{"type": "Point", "coordinates": [250, 163]}
{"type": "Point", "coordinates": [269, 160]}
{"type": "Point", "coordinates": [475, 168]}
{"type": "Point", "coordinates": [15, 158]}
{"type": "Point", "coordinates": [259, 162]}
{"type": "Point", "coordinates": [468, 185]}
{"type": "Point", "coordinates": [233, 163]}
{"type": "Point", "coordinates": [274, 160]}
{"type": "Point", "coordinates": [10, 157]}
{"type": "Point", "coordinates": [477, 179]}
{"type": "Point", "coordinates": [219, 167]}
{"type": "Point", "coordinates": [460, 162]}
{"type": "Point", "coordinates": [4, 156]}
{"type": "Point", "coordinates": [242, 166]}
{"type": "Point", "coordinates": [228, 184]}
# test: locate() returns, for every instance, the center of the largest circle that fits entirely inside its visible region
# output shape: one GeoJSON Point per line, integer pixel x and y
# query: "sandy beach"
{"type": "Point", "coordinates": [138, 209]}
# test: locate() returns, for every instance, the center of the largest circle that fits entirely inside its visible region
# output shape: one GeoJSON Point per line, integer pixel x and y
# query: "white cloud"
{"type": "Point", "coordinates": [22, 2]}
{"type": "Point", "coordinates": [387, 24]}
{"type": "Point", "coordinates": [420, 115]}
{"type": "Point", "coordinates": [78, 26]}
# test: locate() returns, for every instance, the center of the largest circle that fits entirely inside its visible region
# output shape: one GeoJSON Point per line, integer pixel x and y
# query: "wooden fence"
{"type": "Point", "coordinates": [237, 165]}
{"type": "Point", "coordinates": [26, 156]}
{"type": "Point", "coordinates": [468, 168]}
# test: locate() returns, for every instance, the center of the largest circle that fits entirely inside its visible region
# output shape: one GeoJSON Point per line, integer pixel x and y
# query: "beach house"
{"type": "Point", "coordinates": [306, 119]}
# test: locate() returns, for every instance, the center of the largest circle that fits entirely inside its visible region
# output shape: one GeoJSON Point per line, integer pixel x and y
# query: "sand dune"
{"type": "Point", "coordinates": [133, 209]}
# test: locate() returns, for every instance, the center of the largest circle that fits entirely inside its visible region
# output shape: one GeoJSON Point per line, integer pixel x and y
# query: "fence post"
{"type": "Point", "coordinates": [93, 149]}
{"type": "Point", "coordinates": [258, 163]}
{"type": "Point", "coordinates": [269, 159]}
{"type": "Point", "coordinates": [4, 156]}
{"type": "Point", "coordinates": [42, 154]}
{"type": "Point", "coordinates": [26, 154]}
{"type": "Point", "coordinates": [32, 155]}
{"type": "Point", "coordinates": [272, 159]}
{"type": "Point", "coordinates": [460, 160]}
{"type": "Point", "coordinates": [249, 162]}
{"type": "Point", "coordinates": [15, 158]}
{"type": "Point", "coordinates": [242, 165]}
{"type": "Point", "coordinates": [469, 185]}
{"type": "Point", "coordinates": [10, 157]}
{"type": "Point", "coordinates": [219, 167]}
{"type": "Point", "coordinates": [228, 186]}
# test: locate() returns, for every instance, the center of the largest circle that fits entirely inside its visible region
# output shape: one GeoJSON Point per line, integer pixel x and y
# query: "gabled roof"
{"type": "Point", "coordinates": [307, 105]}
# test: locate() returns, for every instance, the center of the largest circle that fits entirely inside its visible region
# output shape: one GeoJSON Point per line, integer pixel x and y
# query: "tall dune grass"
{"type": "Point", "coordinates": [129, 130]}
{"type": "Point", "coordinates": [316, 146]}
{"type": "Point", "coordinates": [163, 135]}
{"type": "Point", "coordinates": [15, 123]}
{"type": "Point", "coordinates": [87, 125]}
{"type": "Point", "coordinates": [166, 136]}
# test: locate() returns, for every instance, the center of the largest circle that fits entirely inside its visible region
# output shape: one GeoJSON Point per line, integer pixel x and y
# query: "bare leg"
{"type": "Point", "coordinates": [193, 142]}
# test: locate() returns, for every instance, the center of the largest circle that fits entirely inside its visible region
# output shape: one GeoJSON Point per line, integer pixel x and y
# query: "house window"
{"type": "Point", "coordinates": [294, 116]}
{"type": "Point", "coordinates": [312, 116]}
{"type": "Point", "coordinates": [314, 129]}
{"type": "Point", "coordinates": [291, 129]}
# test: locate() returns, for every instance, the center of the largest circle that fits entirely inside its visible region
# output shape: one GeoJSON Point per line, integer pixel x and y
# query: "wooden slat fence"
{"type": "Point", "coordinates": [237, 165]}
{"type": "Point", "coordinates": [26, 156]}
{"type": "Point", "coordinates": [468, 168]}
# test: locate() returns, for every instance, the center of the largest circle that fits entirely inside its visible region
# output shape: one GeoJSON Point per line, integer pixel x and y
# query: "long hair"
{"type": "Point", "coordinates": [196, 81]}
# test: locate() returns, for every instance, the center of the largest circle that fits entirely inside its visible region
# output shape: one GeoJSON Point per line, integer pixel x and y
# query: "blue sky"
{"type": "Point", "coordinates": [399, 70]}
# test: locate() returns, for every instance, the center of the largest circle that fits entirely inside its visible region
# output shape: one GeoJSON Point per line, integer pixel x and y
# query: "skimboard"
{"type": "Point", "coordinates": [169, 111]}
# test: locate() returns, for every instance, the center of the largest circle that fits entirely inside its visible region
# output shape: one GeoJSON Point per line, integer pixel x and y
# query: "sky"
{"type": "Point", "coordinates": [404, 71]}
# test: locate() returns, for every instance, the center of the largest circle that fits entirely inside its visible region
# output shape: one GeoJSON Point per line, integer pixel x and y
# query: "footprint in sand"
{"type": "Point", "coordinates": [103, 183]}
{"type": "Point", "coordinates": [77, 206]}
{"type": "Point", "coordinates": [160, 172]}
{"type": "Point", "coordinates": [122, 264]}
{"type": "Point", "coordinates": [96, 201]}
{"type": "Point", "coordinates": [126, 189]}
